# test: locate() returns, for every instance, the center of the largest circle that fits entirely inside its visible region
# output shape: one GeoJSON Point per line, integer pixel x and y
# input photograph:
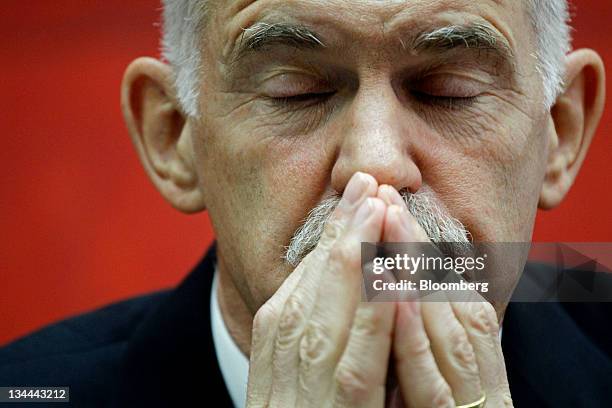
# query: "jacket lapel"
{"type": "Point", "coordinates": [171, 360]}
{"type": "Point", "coordinates": [551, 361]}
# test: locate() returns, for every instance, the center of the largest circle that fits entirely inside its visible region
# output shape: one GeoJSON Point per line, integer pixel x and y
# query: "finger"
{"type": "Point", "coordinates": [361, 374]}
{"type": "Point", "coordinates": [374, 284]}
{"type": "Point", "coordinates": [401, 226]}
{"type": "Point", "coordinates": [399, 211]}
{"type": "Point", "coordinates": [420, 380]}
{"type": "Point", "coordinates": [326, 333]}
{"type": "Point", "coordinates": [481, 324]}
{"type": "Point", "coordinates": [453, 351]}
{"type": "Point", "coordinates": [262, 343]}
{"type": "Point", "coordinates": [298, 306]}
{"type": "Point", "coordinates": [390, 196]}
{"type": "Point", "coordinates": [360, 186]}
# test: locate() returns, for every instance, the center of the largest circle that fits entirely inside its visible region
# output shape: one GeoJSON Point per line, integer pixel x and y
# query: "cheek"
{"type": "Point", "coordinates": [490, 181]}
{"type": "Point", "coordinates": [293, 179]}
{"type": "Point", "coordinates": [262, 187]}
{"type": "Point", "coordinates": [295, 176]}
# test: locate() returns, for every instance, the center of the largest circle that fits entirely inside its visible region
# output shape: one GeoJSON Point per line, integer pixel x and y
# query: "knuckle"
{"type": "Point", "coordinates": [420, 350]}
{"type": "Point", "coordinates": [506, 400]}
{"type": "Point", "coordinates": [257, 404]}
{"type": "Point", "coordinates": [441, 395]}
{"type": "Point", "coordinates": [418, 353]}
{"type": "Point", "coordinates": [317, 256]}
{"type": "Point", "coordinates": [367, 321]}
{"type": "Point", "coordinates": [344, 255]}
{"type": "Point", "coordinates": [331, 232]}
{"type": "Point", "coordinates": [352, 385]}
{"type": "Point", "coordinates": [457, 335]}
{"type": "Point", "coordinates": [463, 354]}
{"type": "Point", "coordinates": [501, 398]}
{"type": "Point", "coordinates": [291, 322]}
{"type": "Point", "coordinates": [257, 399]}
{"type": "Point", "coordinates": [491, 314]}
{"type": "Point", "coordinates": [262, 321]}
{"type": "Point", "coordinates": [501, 393]}
{"type": "Point", "coordinates": [315, 346]}
{"type": "Point", "coordinates": [484, 319]}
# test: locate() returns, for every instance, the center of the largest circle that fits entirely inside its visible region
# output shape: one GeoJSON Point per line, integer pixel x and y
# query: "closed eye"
{"type": "Point", "coordinates": [450, 102]}
{"type": "Point", "coordinates": [305, 98]}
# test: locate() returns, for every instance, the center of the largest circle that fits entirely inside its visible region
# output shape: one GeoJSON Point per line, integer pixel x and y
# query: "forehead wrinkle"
{"type": "Point", "coordinates": [263, 33]}
{"type": "Point", "coordinates": [472, 35]}
{"type": "Point", "coordinates": [427, 15]}
{"type": "Point", "coordinates": [298, 13]}
{"type": "Point", "coordinates": [230, 15]}
{"type": "Point", "coordinates": [326, 22]}
{"type": "Point", "coordinates": [236, 7]}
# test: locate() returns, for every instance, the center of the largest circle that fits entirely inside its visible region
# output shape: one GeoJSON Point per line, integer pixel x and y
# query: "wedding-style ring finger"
{"type": "Point", "coordinates": [453, 352]}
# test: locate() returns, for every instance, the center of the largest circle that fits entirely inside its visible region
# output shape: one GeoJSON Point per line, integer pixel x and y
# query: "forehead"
{"type": "Point", "coordinates": [370, 23]}
{"type": "Point", "coordinates": [371, 19]}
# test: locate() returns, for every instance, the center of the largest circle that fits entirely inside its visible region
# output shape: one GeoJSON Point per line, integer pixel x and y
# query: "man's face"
{"type": "Point", "coordinates": [297, 96]}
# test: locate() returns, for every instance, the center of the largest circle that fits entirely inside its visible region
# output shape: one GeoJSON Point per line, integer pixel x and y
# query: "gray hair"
{"type": "Point", "coordinates": [445, 231]}
{"type": "Point", "coordinates": [182, 23]}
{"type": "Point", "coordinates": [183, 20]}
{"type": "Point", "coordinates": [551, 22]}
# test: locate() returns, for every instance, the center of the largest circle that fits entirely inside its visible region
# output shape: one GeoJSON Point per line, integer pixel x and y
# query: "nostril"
{"type": "Point", "coordinates": [405, 191]}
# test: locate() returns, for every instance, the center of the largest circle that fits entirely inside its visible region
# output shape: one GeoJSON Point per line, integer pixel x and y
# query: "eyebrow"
{"type": "Point", "coordinates": [442, 39]}
{"type": "Point", "coordinates": [262, 34]}
{"type": "Point", "coordinates": [476, 36]}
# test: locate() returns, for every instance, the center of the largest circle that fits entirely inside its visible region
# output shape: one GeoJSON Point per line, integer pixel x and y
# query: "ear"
{"type": "Point", "coordinates": [575, 115]}
{"type": "Point", "coordinates": [161, 133]}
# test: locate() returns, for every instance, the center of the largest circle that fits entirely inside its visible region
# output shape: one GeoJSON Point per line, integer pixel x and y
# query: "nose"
{"type": "Point", "coordinates": [377, 137]}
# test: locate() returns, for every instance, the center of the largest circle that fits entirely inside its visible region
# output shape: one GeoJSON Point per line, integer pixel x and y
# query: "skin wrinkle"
{"type": "Point", "coordinates": [442, 8]}
{"type": "Point", "coordinates": [507, 147]}
{"type": "Point", "coordinates": [476, 35]}
{"type": "Point", "coordinates": [471, 130]}
{"type": "Point", "coordinates": [240, 6]}
{"type": "Point", "coordinates": [247, 151]}
{"type": "Point", "coordinates": [240, 21]}
{"type": "Point", "coordinates": [284, 120]}
{"type": "Point", "coordinates": [253, 15]}
{"type": "Point", "coordinates": [472, 119]}
{"type": "Point", "coordinates": [262, 33]}
{"type": "Point", "coordinates": [279, 110]}
{"type": "Point", "coordinates": [528, 72]}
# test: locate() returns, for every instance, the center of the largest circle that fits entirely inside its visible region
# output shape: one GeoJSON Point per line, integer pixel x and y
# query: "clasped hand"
{"type": "Point", "coordinates": [315, 344]}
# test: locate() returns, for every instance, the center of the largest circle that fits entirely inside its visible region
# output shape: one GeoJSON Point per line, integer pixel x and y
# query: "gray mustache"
{"type": "Point", "coordinates": [447, 232]}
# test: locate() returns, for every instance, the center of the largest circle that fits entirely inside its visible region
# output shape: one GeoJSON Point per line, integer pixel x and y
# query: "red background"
{"type": "Point", "coordinates": [80, 224]}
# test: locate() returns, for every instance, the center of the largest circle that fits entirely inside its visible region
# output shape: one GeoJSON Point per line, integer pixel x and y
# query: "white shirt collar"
{"type": "Point", "coordinates": [234, 365]}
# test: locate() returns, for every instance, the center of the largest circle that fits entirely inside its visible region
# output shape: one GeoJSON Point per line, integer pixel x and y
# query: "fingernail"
{"type": "Point", "coordinates": [384, 194]}
{"type": "Point", "coordinates": [354, 189]}
{"type": "Point", "coordinates": [364, 211]}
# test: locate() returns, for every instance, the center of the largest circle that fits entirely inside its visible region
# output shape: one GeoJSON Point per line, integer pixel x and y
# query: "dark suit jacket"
{"type": "Point", "coordinates": [157, 350]}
